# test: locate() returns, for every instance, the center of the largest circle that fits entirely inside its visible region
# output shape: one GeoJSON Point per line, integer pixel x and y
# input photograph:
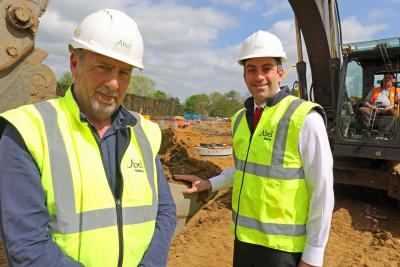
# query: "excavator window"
{"type": "Point", "coordinates": [358, 120]}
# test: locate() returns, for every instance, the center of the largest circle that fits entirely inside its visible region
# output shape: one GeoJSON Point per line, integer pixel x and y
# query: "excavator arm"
{"type": "Point", "coordinates": [319, 23]}
{"type": "Point", "coordinates": [23, 78]}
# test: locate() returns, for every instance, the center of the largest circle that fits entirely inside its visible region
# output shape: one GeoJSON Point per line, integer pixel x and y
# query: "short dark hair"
{"type": "Point", "coordinates": [390, 73]}
{"type": "Point", "coordinates": [80, 54]}
{"type": "Point", "coordinates": [77, 51]}
{"type": "Point", "coordinates": [278, 62]}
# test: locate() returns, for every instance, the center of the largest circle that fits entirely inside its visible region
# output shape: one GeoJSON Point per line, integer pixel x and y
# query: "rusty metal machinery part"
{"type": "Point", "coordinates": [17, 30]}
{"type": "Point", "coordinates": [29, 82]}
{"type": "Point", "coordinates": [23, 79]}
{"type": "Point", "coordinates": [22, 18]}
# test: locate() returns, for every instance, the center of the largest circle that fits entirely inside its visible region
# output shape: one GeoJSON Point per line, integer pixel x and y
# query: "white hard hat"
{"type": "Point", "coordinates": [110, 33]}
{"type": "Point", "coordinates": [262, 44]}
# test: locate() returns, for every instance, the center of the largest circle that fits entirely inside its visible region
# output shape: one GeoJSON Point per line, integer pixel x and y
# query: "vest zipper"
{"type": "Point", "coordinates": [118, 208]}
{"type": "Point", "coordinates": [120, 233]}
{"type": "Point", "coordinates": [118, 204]}
{"type": "Point", "coordinates": [241, 185]}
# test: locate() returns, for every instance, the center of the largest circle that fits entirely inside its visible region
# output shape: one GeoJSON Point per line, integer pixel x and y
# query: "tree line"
{"type": "Point", "coordinates": [214, 105]}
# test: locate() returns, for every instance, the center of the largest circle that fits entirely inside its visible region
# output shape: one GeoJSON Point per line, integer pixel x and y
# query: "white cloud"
{"type": "Point", "coordinates": [276, 6]}
{"type": "Point", "coordinates": [285, 30]}
{"type": "Point", "coordinates": [354, 31]}
{"type": "Point", "coordinates": [381, 13]}
{"type": "Point", "coordinates": [178, 39]}
{"type": "Point", "coordinates": [243, 4]}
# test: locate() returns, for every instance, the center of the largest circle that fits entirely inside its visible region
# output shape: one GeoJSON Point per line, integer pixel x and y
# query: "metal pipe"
{"type": "Point", "coordinates": [298, 41]}
{"type": "Point", "coordinates": [332, 29]}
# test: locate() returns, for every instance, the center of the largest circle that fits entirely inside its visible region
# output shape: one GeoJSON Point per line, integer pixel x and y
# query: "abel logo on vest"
{"type": "Point", "coordinates": [267, 135]}
{"type": "Point", "coordinates": [137, 166]}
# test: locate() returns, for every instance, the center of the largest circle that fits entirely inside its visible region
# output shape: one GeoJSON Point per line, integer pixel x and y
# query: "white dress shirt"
{"type": "Point", "coordinates": [317, 161]}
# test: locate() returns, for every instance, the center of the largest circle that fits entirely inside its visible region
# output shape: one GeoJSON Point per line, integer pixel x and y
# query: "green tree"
{"type": "Point", "coordinates": [224, 105]}
{"type": "Point", "coordinates": [178, 107]}
{"type": "Point", "coordinates": [160, 95]}
{"type": "Point", "coordinates": [141, 85]}
{"type": "Point", "coordinates": [66, 79]}
{"type": "Point", "coordinates": [214, 108]}
{"type": "Point", "coordinates": [197, 104]}
{"type": "Point", "coordinates": [64, 83]}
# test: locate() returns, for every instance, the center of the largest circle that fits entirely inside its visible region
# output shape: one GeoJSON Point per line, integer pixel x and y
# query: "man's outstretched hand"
{"type": "Point", "coordinates": [198, 184]}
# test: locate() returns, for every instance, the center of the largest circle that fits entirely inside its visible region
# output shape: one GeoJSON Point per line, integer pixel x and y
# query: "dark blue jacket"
{"type": "Point", "coordinates": [23, 213]}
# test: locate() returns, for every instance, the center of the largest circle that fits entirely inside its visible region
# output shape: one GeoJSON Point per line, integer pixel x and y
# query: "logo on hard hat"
{"type": "Point", "coordinates": [258, 46]}
{"type": "Point", "coordinates": [123, 47]}
{"type": "Point", "coordinates": [77, 32]}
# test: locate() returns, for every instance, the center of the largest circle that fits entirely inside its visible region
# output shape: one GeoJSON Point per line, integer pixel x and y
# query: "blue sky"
{"type": "Point", "coordinates": [191, 46]}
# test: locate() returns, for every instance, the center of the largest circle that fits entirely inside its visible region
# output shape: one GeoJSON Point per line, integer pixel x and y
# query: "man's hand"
{"type": "Point", "coordinates": [374, 107]}
{"type": "Point", "coordinates": [303, 264]}
{"type": "Point", "coordinates": [368, 105]}
{"type": "Point", "coordinates": [198, 184]}
{"type": "Point", "coordinates": [387, 108]}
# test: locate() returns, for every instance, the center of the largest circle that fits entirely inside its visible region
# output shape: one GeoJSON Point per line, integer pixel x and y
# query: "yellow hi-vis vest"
{"type": "Point", "coordinates": [270, 199]}
{"type": "Point", "coordinates": [86, 222]}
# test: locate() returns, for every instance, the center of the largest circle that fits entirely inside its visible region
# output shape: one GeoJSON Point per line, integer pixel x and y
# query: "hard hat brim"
{"type": "Point", "coordinates": [76, 43]}
{"type": "Point", "coordinates": [240, 61]}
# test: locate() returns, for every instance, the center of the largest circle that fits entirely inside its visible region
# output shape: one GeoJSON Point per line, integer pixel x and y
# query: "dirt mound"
{"type": "Point", "coordinates": [178, 157]}
{"type": "Point", "coordinates": [3, 261]}
{"type": "Point", "coordinates": [206, 235]}
{"type": "Point", "coordinates": [223, 129]}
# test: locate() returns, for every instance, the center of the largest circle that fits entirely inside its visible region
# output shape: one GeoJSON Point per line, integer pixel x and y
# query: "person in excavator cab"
{"type": "Point", "coordinates": [81, 183]}
{"type": "Point", "coordinates": [282, 198]}
{"type": "Point", "coordinates": [379, 101]}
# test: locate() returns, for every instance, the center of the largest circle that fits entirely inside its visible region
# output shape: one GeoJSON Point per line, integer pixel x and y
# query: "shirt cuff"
{"type": "Point", "coordinates": [313, 255]}
{"type": "Point", "coordinates": [217, 183]}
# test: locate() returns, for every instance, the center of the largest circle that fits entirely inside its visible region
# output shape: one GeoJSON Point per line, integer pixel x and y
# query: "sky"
{"type": "Point", "coordinates": [191, 47]}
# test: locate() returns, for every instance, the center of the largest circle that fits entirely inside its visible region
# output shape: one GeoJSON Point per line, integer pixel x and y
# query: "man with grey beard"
{"type": "Point", "coordinates": [81, 183]}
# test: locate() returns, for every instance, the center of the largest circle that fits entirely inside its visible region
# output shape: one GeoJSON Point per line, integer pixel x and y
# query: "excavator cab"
{"type": "Point", "coordinates": [364, 65]}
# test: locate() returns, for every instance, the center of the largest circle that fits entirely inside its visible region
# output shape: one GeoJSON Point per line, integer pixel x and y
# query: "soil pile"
{"type": "Point", "coordinates": [223, 129]}
{"type": "Point", "coordinates": [178, 157]}
{"type": "Point", "coordinates": [3, 261]}
{"type": "Point", "coordinates": [365, 230]}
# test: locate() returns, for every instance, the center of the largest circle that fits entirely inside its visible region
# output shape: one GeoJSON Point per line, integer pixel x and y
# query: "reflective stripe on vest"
{"type": "Point", "coordinates": [64, 190]}
{"type": "Point", "coordinates": [276, 169]}
{"type": "Point", "coordinates": [270, 228]}
{"type": "Point", "coordinates": [270, 199]}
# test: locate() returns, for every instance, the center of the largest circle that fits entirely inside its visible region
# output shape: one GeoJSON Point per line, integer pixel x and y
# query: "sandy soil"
{"type": "Point", "coordinates": [365, 228]}
{"type": "Point", "coordinates": [3, 261]}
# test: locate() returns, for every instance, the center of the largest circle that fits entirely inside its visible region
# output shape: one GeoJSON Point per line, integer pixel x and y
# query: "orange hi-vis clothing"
{"type": "Point", "coordinates": [376, 91]}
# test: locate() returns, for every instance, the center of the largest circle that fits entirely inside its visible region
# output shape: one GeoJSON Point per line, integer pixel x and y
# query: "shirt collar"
{"type": "Point", "coordinates": [262, 105]}
{"type": "Point", "coordinates": [259, 106]}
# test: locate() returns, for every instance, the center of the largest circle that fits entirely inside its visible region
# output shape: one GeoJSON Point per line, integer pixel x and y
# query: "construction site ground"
{"type": "Point", "coordinates": [365, 226]}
